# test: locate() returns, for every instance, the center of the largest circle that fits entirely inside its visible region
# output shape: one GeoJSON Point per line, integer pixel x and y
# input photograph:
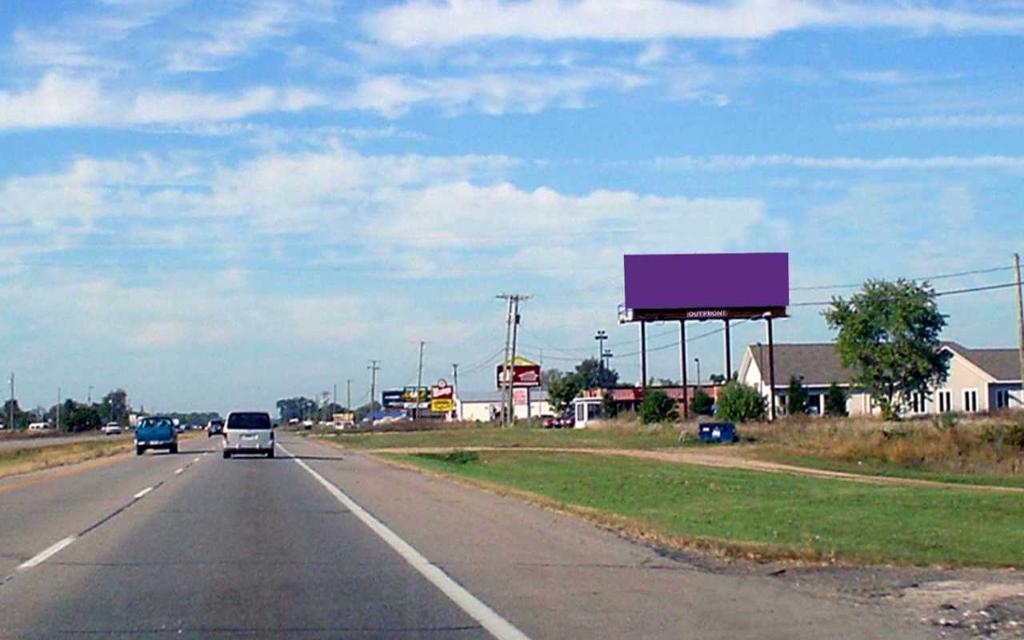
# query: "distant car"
{"type": "Point", "coordinates": [549, 422]}
{"type": "Point", "coordinates": [248, 432]}
{"type": "Point", "coordinates": [38, 426]}
{"type": "Point", "coordinates": [214, 428]}
{"type": "Point", "coordinates": [156, 432]}
{"type": "Point", "coordinates": [307, 424]}
{"type": "Point", "coordinates": [112, 429]}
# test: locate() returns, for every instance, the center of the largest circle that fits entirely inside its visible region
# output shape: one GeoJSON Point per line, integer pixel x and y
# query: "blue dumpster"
{"type": "Point", "coordinates": [717, 432]}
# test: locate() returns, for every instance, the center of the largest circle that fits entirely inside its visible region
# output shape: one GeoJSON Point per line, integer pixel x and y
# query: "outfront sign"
{"type": "Point", "coordinates": [709, 283]}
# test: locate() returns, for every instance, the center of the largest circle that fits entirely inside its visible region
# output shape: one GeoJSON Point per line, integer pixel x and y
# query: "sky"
{"type": "Point", "coordinates": [218, 204]}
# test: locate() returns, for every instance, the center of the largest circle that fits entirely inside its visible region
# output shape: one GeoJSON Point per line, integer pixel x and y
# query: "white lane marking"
{"type": "Point", "coordinates": [179, 471]}
{"type": "Point", "coordinates": [143, 492]}
{"type": "Point", "coordinates": [46, 553]}
{"type": "Point", "coordinates": [499, 627]}
{"type": "Point", "coordinates": [195, 459]}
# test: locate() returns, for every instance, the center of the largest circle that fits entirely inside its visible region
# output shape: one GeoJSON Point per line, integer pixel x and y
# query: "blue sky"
{"type": "Point", "coordinates": [215, 205]}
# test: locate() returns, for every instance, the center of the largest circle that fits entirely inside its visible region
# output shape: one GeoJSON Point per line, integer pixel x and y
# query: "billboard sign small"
{"type": "Point", "coordinates": [521, 397]}
{"type": "Point", "coordinates": [524, 374]}
{"type": "Point", "coordinates": [392, 398]}
{"type": "Point", "coordinates": [442, 397]}
{"type": "Point", "coordinates": [413, 398]}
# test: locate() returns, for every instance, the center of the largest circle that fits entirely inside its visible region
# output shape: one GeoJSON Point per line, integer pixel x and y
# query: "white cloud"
{"type": "Point", "coordinates": [955, 121]}
{"type": "Point", "coordinates": [418, 23]}
{"type": "Point", "coordinates": [59, 100]}
{"type": "Point", "coordinates": [492, 93]}
{"type": "Point", "coordinates": [222, 40]}
{"type": "Point", "coordinates": [845, 163]}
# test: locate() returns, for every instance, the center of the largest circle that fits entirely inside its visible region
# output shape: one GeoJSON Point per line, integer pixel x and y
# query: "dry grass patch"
{"type": "Point", "coordinates": [15, 461]}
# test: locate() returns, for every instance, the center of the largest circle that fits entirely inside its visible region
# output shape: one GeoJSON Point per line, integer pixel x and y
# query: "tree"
{"type": "Point", "coordinates": [835, 401]}
{"type": "Point", "coordinates": [738, 402]}
{"type": "Point", "coordinates": [20, 417]}
{"type": "Point", "coordinates": [658, 407]}
{"type": "Point", "coordinates": [889, 333]}
{"type": "Point", "coordinates": [114, 407]}
{"type": "Point", "coordinates": [562, 391]}
{"type": "Point", "coordinates": [609, 408]}
{"type": "Point", "coordinates": [702, 403]}
{"type": "Point", "coordinates": [298, 408]}
{"type": "Point", "coordinates": [716, 378]}
{"type": "Point", "coordinates": [796, 397]}
{"type": "Point", "coordinates": [591, 374]}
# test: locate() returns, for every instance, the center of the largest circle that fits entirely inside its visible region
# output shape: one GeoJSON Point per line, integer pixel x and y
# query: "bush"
{"type": "Point", "coordinates": [835, 401]}
{"type": "Point", "coordinates": [739, 403]}
{"type": "Point", "coordinates": [796, 397]}
{"type": "Point", "coordinates": [658, 407]}
{"type": "Point", "coordinates": [702, 403]}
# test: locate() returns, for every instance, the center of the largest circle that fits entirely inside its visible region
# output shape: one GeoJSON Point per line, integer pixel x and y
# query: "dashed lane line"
{"type": "Point", "coordinates": [143, 492]}
{"type": "Point", "coordinates": [46, 553]}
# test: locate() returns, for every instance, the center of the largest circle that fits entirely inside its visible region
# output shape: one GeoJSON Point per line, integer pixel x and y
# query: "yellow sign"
{"type": "Point", "coordinates": [442, 405]}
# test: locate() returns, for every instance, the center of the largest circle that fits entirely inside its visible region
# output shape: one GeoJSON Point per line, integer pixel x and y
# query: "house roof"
{"type": "Point", "coordinates": [1001, 364]}
{"type": "Point", "coordinates": [818, 363]}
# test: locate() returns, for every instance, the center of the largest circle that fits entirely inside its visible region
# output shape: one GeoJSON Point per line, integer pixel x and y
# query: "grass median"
{"type": "Point", "coordinates": [15, 461]}
{"type": "Point", "coordinates": [759, 515]}
{"type": "Point", "coordinates": [638, 437]}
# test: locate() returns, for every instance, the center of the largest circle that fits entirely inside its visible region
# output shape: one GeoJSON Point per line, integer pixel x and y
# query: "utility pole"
{"type": "Point", "coordinates": [58, 408]}
{"type": "Point", "coordinates": [334, 401]}
{"type": "Point", "coordinates": [511, 334]}
{"type": "Point", "coordinates": [374, 368]}
{"type": "Point", "coordinates": [90, 396]}
{"type": "Point", "coordinates": [601, 336]}
{"type": "Point", "coordinates": [10, 408]}
{"type": "Point", "coordinates": [348, 396]}
{"type": "Point", "coordinates": [419, 383]}
{"type": "Point", "coordinates": [697, 360]}
{"type": "Point", "coordinates": [1020, 323]}
{"type": "Point", "coordinates": [455, 389]}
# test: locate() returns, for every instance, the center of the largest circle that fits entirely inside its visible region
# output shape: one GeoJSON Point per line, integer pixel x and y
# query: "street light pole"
{"type": "Point", "coordinates": [697, 360]}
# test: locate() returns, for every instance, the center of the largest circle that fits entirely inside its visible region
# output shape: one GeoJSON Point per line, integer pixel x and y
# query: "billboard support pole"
{"type": "Point", "coordinates": [771, 371]}
{"type": "Point", "coordinates": [643, 354]}
{"type": "Point", "coordinates": [682, 369]}
{"type": "Point", "coordinates": [728, 352]}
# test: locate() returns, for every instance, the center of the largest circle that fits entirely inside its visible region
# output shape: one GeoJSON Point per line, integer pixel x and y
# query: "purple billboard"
{"type": "Point", "coordinates": [707, 285]}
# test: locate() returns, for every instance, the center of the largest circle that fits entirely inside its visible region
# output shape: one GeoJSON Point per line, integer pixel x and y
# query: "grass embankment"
{"type": "Point", "coordinates": [988, 450]}
{"type": "Point", "coordinates": [14, 461]}
{"type": "Point", "coordinates": [759, 515]}
{"type": "Point", "coordinates": [631, 437]}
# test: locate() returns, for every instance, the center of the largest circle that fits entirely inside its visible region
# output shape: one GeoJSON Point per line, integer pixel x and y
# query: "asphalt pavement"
{"type": "Point", "coordinates": [338, 545]}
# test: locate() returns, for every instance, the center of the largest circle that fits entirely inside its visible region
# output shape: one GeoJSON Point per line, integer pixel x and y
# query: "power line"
{"type": "Point", "coordinates": [941, 276]}
{"type": "Point", "coordinates": [938, 294]}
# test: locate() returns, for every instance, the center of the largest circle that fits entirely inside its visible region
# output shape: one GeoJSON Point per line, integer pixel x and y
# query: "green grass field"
{"type": "Point", "coordinates": [641, 438]}
{"type": "Point", "coordinates": [765, 514]}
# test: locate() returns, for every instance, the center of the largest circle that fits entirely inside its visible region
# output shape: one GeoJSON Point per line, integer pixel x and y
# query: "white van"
{"type": "Point", "coordinates": [39, 426]}
{"type": "Point", "coordinates": [248, 432]}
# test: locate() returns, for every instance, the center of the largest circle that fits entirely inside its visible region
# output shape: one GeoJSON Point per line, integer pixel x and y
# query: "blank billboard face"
{"type": "Point", "coordinates": [707, 280]}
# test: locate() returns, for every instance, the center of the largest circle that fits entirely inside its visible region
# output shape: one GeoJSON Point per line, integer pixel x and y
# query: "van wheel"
{"type": "Point", "coordinates": [226, 454]}
{"type": "Point", "coordinates": [139, 451]}
{"type": "Point", "coordinates": [270, 454]}
{"type": "Point", "coordinates": [174, 448]}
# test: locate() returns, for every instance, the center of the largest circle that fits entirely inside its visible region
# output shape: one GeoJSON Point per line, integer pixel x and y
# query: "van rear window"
{"type": "Point", "coordinates": [249, 421]}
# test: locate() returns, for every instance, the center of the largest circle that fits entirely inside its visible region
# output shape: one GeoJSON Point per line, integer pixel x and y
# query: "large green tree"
{"type": "Point", "coordinates": [738, 402]}
{"type": "Point", "coordinates": [299, 408]}
{"type": "Point", "coordinates": [589, 374]}
{"type": "Point", "coordinates": [889, 334]}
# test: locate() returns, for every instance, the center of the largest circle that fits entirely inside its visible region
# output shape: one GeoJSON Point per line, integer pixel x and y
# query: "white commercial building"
{"type": "Point", "coordinates": [486, 407]}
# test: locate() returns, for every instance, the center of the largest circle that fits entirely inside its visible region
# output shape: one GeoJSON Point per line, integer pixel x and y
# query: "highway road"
{"type": "Point", "coordinates": [321, 543]}
{"type": "Point", "coordinates": [49, 441]}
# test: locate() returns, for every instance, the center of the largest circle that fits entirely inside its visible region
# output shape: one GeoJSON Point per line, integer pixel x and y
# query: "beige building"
{"type": "Point", "coordinates": [979, 379]}
{"type": "Point", "coordinates": [486, 407]}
